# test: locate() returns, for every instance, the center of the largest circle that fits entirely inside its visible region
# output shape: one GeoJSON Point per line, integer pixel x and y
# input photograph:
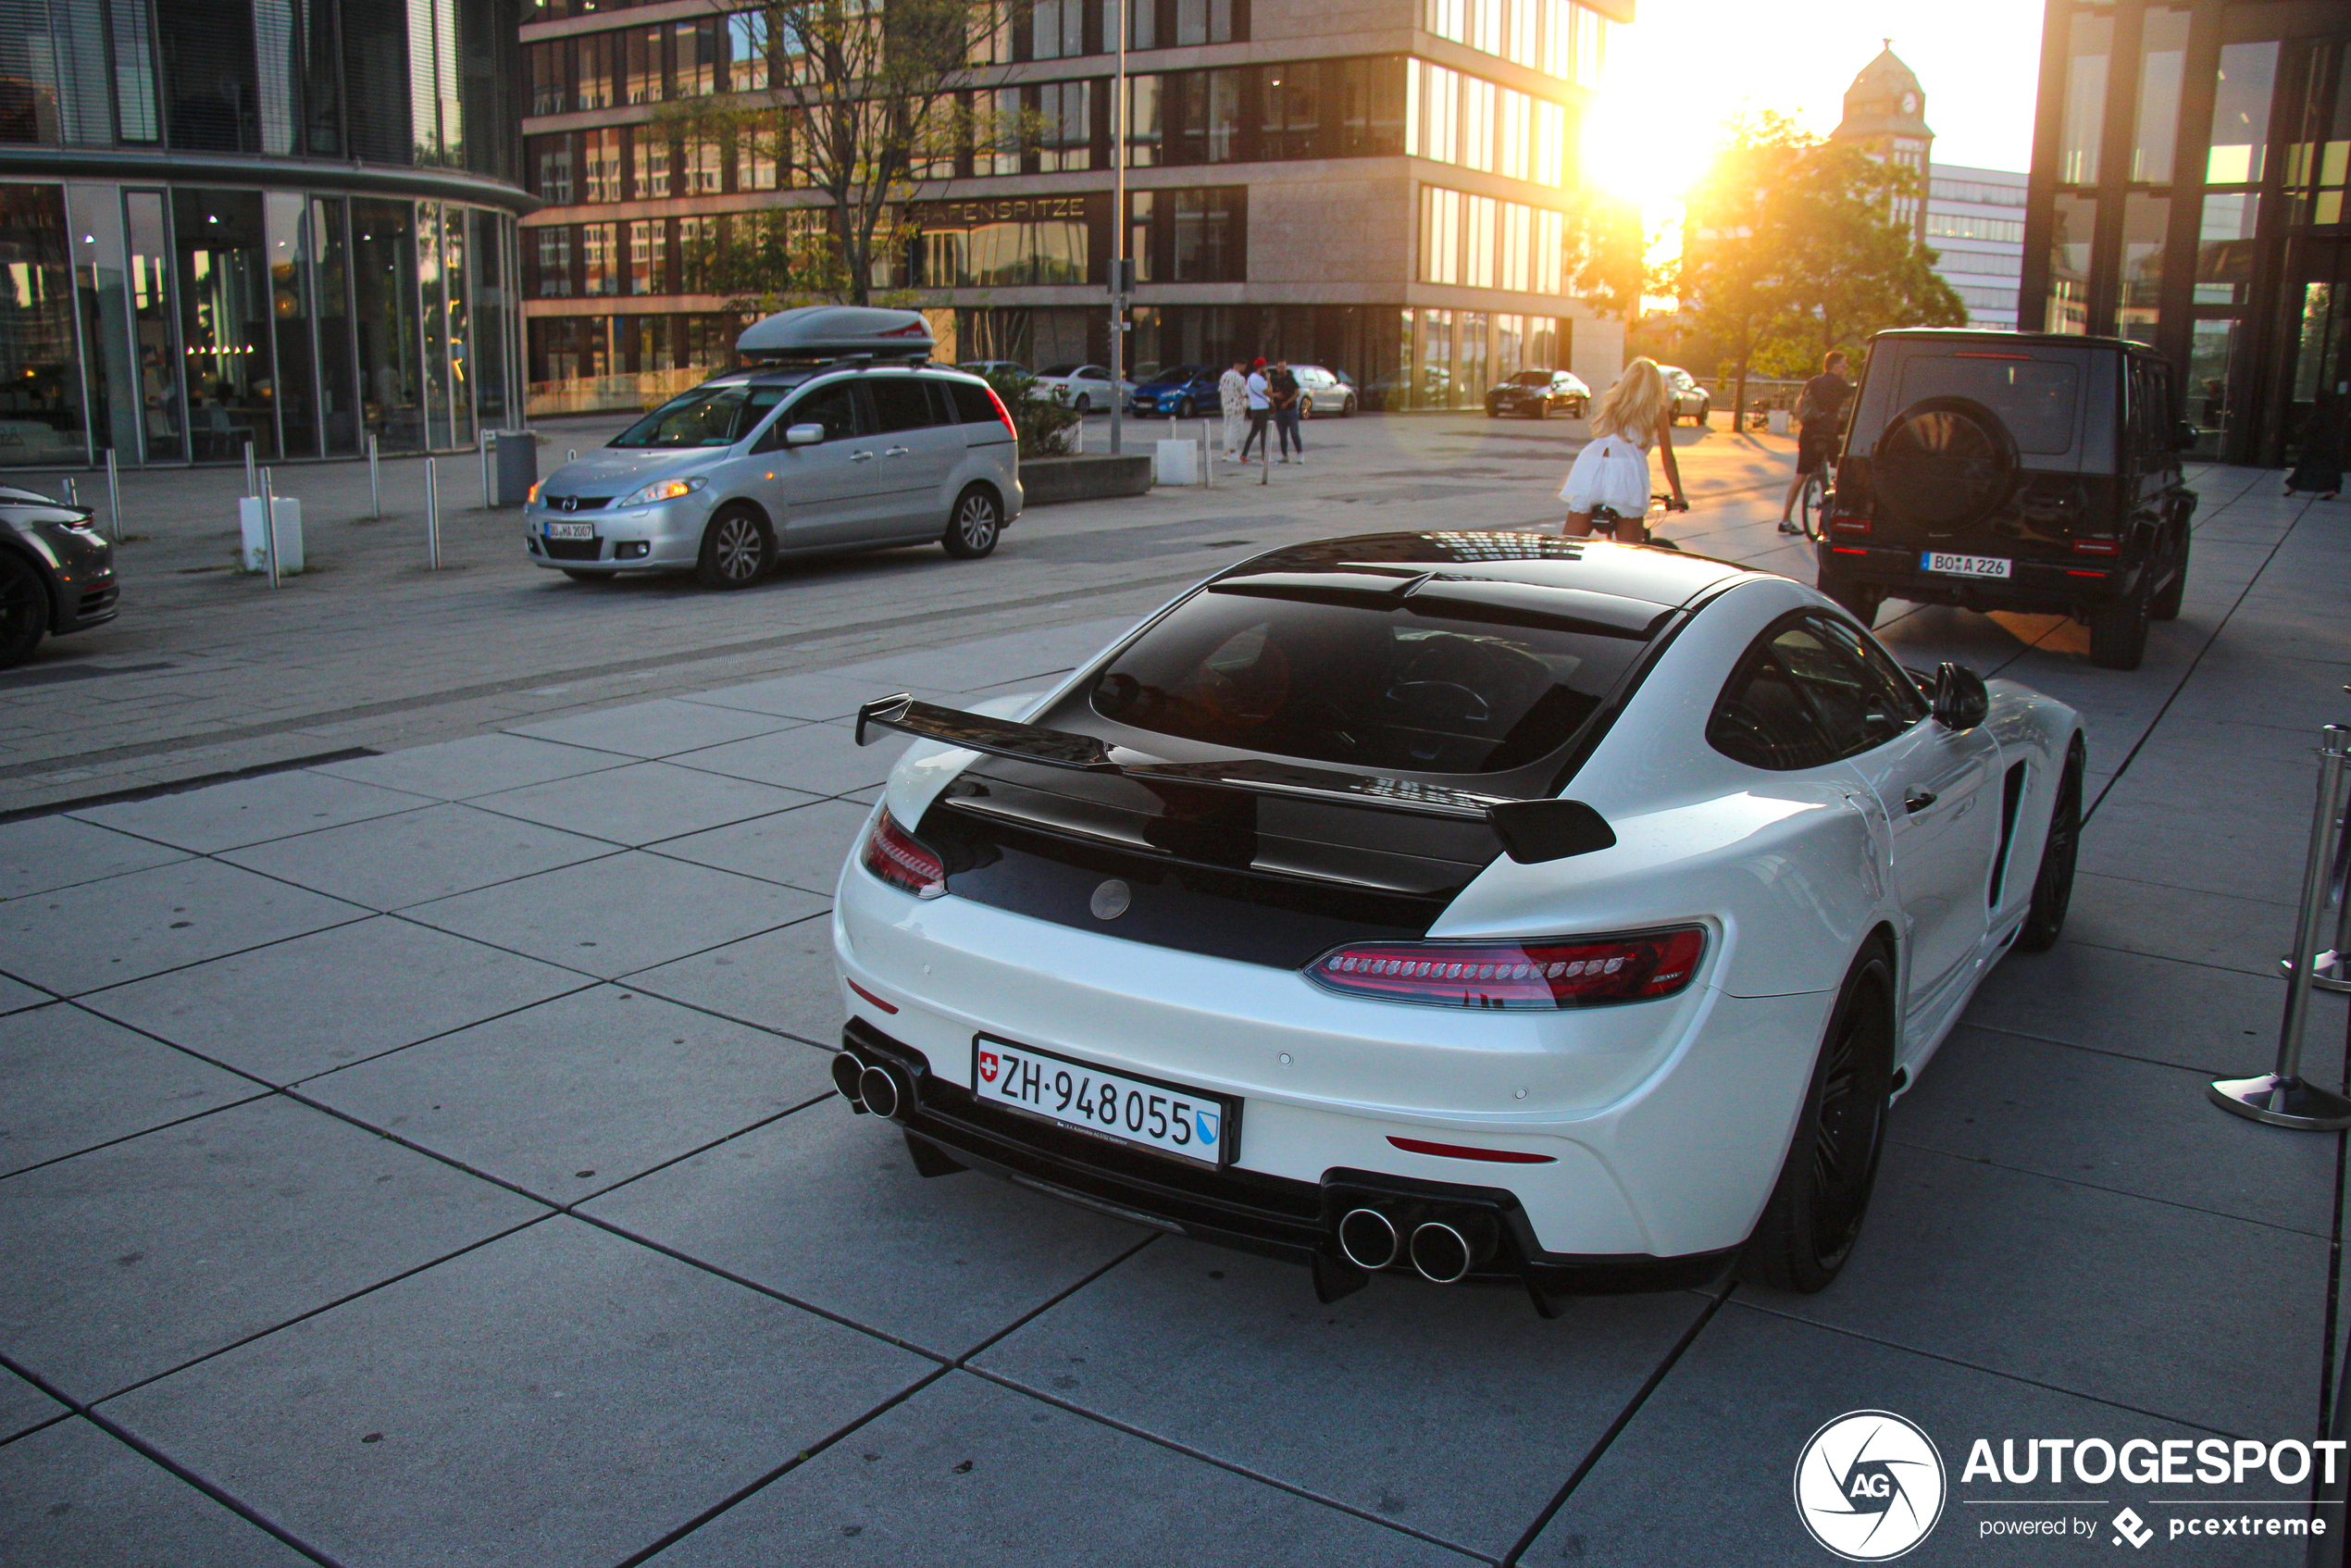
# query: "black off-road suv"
{"type": "Point", "coordinates": [2014, 471]}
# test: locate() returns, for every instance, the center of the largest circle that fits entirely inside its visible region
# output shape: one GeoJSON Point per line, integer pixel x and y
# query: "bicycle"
{"type": "Point", "coordinates": [1607, 519]}
{"type": "Point", "coordinates": [1812, 501]}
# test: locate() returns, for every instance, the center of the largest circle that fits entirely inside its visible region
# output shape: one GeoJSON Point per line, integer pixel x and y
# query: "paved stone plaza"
{"type": "Point", "coordinates": [427, 1158]}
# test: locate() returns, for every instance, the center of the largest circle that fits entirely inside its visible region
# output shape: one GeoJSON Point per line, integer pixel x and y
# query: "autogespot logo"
{"type": "Point", "coordinates": [1869, 1485]}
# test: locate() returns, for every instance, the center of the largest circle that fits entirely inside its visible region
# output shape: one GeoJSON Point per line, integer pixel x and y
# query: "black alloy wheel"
{"type": "Point", "coordinates": [2053, 886]}
{"type": "Point", "coordinates": [1809, 1228]}
{"type": "Point", "coordinates": [1188, 410]}
{"type": "Point", "coordinates": [1085, 404]}
{"type": "Point", "coordinates": [974, 526]}
{"type": "Point", "coordinates": [24, 610]}
{"type": "Point", "coordinates": [736, 549]}
{"type": "Point", "coordinates": [1346, 409]}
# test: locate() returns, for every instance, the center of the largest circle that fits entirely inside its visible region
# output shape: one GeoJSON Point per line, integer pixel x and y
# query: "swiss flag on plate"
{"type": "Point", "coordinates": [987, 1065]}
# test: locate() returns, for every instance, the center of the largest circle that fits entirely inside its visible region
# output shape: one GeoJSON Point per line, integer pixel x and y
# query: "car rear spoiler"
{"type": "Point", "coordinates": [1530, 831]}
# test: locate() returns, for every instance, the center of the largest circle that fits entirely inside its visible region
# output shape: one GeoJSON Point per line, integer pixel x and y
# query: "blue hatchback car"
{"type": "Point", "coordinates": [1179, 391]}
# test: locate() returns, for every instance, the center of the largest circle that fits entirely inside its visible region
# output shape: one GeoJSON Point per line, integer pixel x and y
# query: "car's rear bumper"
{"type": "Point", "coordinates": [1275, 1216]}
{"type": "Point", "coordinates": [2059, 587]}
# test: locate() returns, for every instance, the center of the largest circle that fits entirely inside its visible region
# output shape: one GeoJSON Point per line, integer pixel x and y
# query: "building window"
{"type": "Point", "coordinates": [1056, 28]}
{"type": "Point", "coordinates": [1976, 192]}
{"type": "Point", "coordinates": [40, 399]}
{"type": "Point", "coordinates": [550, 267]}
{"type": "Point", "coordinates": [695, 53]}
{"type": "Point", "coordinates": [1008, 242]}
{"type": "Point", "coordinates": [1065, 122]}
{"type": "Point", "coordinates": [2086, 71]}
{"type": "Point", "coordinates": [2163, 53]}
{"type": "Point", "coordinates": [2074, 221]}
{"type": "Point", "coordinates": [592, 87]}
{"type": "Point", "coordinates": [1956, 226]}
{"type": "Point", "coordinates": [599, 258]}
{"type": "Point", "coordinates": [1484, 242]}
{"type": "Point", "coordinates": [643, 77]}
{"type": "Point", "coordinates": [550, 77]}
{"type": "Point", "coordinates": [551, 161]}
{"type": "Point", "coordinates": [600, 165]}
{"type": "Point", "coordinates": [1189, 234]}
{"type": "Point", "coordinates": [649, 256]}
{"type": "Point", "coordinates": [2241, 114]}
{"type": "Point", "coordinates": [1203, 21]}
{"type": "Point", "coordinates": [703, 163]}
{"type": "Point", "coordinates": [649, 152]}
{"type": "Point", "coordinates": [747, 51]}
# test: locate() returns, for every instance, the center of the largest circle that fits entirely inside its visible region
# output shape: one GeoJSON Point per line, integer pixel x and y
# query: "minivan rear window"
{"type": "Point", "coordinates": [2034, 397]}
{"type": "Point", "coordinates": [1441, 688]}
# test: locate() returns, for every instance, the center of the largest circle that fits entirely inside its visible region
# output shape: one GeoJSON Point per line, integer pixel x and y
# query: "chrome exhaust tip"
{"type": "Point", "coordinates": [1441, 1253]}
{"type": "Point", "coordinates": [1368, 1238]}
{"type": "Point", "coordinates": [877, 1086]}
{"type": "Point", "coordinates": [847, 1071]}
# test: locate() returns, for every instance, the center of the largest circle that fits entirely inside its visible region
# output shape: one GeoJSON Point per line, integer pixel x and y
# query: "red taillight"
{"type": "Point", "coordinates": [1002, 413]}
{"type": "Point", "coordinates": [2095, 545]}
{"type": "Point", "coordinates": [902, 861]}
{"type": "Point", "coordinates": [1565, 972]}
{"type": "Point", "coordinates": [1849, 522]}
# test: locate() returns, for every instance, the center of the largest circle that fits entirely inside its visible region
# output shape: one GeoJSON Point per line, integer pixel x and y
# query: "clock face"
{"type": "Point", "coordinates": [1909, 103]}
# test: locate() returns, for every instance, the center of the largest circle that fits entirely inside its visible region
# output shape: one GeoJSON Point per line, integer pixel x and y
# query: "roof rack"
{"type": "Point", "coordinates": [835, 333]}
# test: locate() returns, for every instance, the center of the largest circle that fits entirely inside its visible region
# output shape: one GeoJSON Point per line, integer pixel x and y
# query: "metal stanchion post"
{"type": "Point", "coordinates": [114, 499]}
{"type": "Point", "coordinates": [1207, 459]}
{"type": "Point", "coordinates": [2281, 1098]}
{"type": "Point", "coordinates": [268, 525]}
{"type": "Point", "coordinates": [251, 487]}
{"type": "Point", "coordinates": [375, 481]}
{"type": "Point", "coordinates": [432, 514]}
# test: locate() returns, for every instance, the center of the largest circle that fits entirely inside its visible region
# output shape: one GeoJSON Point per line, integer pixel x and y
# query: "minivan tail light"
{"type": "Point", "coordinates": [1545, 973]}
{"type": "Point", "coordinates": [902, 860]}
{"type": "Point", "coordinates": [1002, 413]}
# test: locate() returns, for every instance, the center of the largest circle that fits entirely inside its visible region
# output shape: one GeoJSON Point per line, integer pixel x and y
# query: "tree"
{"type": "Point", "coordinates": [863, 102]}
{"type": "Point", "coordinates": [1790, 249]}
{"type": "Point", "coordinates": [1606, 253]}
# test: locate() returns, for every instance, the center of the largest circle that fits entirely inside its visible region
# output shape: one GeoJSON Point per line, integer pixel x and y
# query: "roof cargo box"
{"type": "Point", "coordinates": [832, 331]}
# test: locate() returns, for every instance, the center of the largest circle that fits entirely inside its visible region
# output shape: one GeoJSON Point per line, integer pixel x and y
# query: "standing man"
{"type": "Point", "coordinates": [1261, 408]}
{"type": "Point", "coordinates": [1820, 422]}
{"type": "Point", "coordinates": [1282, 387]}
{"type": "Point", "coordinates": [1232, 392]}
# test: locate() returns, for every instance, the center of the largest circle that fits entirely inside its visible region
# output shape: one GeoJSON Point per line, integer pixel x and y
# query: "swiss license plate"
{"type": "Point", "coordinates": [571, 530]}
{"type": "Point", "coordinates": [1965, 566]}
{"type": "Point", "coordinates": [1168, 1117]}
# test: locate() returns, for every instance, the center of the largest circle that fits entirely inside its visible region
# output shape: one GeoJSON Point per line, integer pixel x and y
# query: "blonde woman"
{"type": "Point", "coordinates": [1611, 474]}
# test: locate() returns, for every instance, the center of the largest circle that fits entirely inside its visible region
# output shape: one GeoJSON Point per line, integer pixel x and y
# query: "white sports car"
{"type": "Point", "coordinates": [1493, 905]}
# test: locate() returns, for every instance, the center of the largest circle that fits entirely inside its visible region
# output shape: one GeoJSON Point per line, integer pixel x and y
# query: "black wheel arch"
{"type": "Point", "coordinates": [59, 610]}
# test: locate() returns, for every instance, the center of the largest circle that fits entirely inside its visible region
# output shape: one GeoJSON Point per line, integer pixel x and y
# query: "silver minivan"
{"type": "Point", "coordinates": [849, 438]}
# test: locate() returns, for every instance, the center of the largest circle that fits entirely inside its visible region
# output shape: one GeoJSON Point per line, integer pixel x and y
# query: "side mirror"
{"type": "Point", "coordinates": [1961, 702]}
{"type": "Point", "coordinates": [804, 435]}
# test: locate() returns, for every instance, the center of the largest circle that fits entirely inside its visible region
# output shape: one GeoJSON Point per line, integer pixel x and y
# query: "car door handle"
{"type": "Point", "coordinates": [1918, 800]}
{"type": "Point", "coordinates": [861, 457]}
{"type": "Point", "coordinates": [896, 451]}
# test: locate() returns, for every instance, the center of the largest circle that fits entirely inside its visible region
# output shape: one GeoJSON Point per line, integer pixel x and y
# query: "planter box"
{"type": "Point", "coordinates": [1048, 481]}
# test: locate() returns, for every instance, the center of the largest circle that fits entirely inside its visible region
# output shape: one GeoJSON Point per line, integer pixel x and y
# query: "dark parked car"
{"type": "Point", "coordinates": [57, 572]}
{"type": "Point", "coordinates": [2014, 471]}
{"type": "Point", "coordinates": [1180, 392]}
{"type": "Point", "coordinates": [1537, 394]}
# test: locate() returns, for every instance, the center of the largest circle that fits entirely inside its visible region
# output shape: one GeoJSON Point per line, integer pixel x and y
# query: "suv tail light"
{"type": "Point", "coordinates": [1545, 973]}
{"type": "Point", "coordinates": [1004, 413]}
{"type": "Point", "coordinates": [902, 860]}
{"type": "Point", "coordinates": [1849, 522]}
{"type": "Point", "coordinates": [2097, 545]}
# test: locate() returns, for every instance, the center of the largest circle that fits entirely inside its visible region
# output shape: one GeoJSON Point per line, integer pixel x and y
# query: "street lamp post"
{"type": "Point", "coordinates": [1121, 274]}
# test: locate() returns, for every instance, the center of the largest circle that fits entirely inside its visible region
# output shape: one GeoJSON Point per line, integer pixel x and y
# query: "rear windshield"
{"type": "Point", "coordinates": [1450, 688]}
{"type": "Point", "coordinates": [2036, 397]}
{"type": "Point", "coordinates": [705, 417]}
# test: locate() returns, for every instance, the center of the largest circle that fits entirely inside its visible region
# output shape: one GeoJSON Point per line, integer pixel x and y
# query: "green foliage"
{"type": "Point", "coordinates": [1790, 250]}
{"type": "Point", "coordinates": [1607, 253]}
{"type": "Point", "coordinates": [1046, 425]}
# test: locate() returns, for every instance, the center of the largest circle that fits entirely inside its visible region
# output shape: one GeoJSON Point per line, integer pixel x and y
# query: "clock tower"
{"type": "Point", "coordinates": [1885, 117]}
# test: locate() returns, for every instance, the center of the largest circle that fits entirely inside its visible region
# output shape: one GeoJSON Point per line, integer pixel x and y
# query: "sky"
{"type": "Point", "coordinates": [1684, 65]}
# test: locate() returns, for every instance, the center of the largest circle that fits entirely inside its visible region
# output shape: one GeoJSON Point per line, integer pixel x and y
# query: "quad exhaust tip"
{"type": "Point", "coordinates": [1369, 1239]}
{"type": "Point", "coordinates": [877, 1086]}
{"type": "Point", "coordinates": [848, 1075]}
{"type": "Point", "coordinates": [1442, 1254]}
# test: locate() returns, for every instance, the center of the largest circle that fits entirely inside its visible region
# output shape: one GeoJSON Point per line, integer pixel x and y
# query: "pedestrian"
{"type": "Point", "coordinates": [1612, 472]}
{"type": "Point", "coordinates": [1232, 392]}
{"type": "Point", "coordinates": [1820, 426]}
{"type": "Point", "coordinates": [1282, 389]}
{"type": "Point", "coordinates": [2320, 468]}
{"type": "Point", "coordinates": [1261, 408]}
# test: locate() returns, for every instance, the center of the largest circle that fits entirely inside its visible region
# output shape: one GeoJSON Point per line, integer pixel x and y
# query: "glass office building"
{"type": "Point", "coordinates": [284, 223]}
{"type": "Point", "coordinates": [2188, 176]}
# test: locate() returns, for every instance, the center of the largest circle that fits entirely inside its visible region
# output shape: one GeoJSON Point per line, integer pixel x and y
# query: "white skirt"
{"type": "Point", "coordinates": [1610, 472]}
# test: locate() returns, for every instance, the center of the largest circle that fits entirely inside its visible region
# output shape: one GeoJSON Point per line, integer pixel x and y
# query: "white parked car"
{"type": "Point", "coordinates": [1084, 387]}
{"type": "Point", "coordinates": [1498, 907]}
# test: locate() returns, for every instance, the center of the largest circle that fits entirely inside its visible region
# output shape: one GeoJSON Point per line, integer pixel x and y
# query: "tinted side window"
{"type": "Point", "coordinates": [1850, 704]}
{"type": "Point", "coordinates": [972, 406]}
{"type": "Point", "coordinates": [1761, 720]}
{"type": "Point", "coordinates": [836, 407]}
{"type": "Point", "coordinates": [900, 404]}
{"type": "Point", "coordinates": [1894, 686]}
{"type": "Point", "coordinates": [2036, 397]}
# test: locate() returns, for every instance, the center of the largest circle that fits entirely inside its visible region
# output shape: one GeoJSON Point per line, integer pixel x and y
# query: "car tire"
{"type": "Point", "coordinates": [737, 549]}
{"type": "Point", "coordinates": [1493, 411]}
{"type": "Point", "coordinates": [578, 575]}
{"type": "Point", "coordinates": [1705, 412]}
{"type": "Point", "coordinates": [2165, 605]}
{"type": "Point", "coordinates": [975, 524]}
{"type": "Point", "coordinates": [1346, 409]}
{"type": "Point", "coordinates": [1188, 409]}
{"type": "Point", "coordinates": [1816, 1209]}
{"type": "Point", "coordinates": [24, 610]}
{"type": "Point", "coordinates": [2119, 631]}
{"type": "Point", "coordinates": [1084, 405]}
{"type": "Point", "coordinates": [2053, 884]}
{"type": "Point", "coordinates": [1860, 600]}
{"type": "Point", "coordinates": [1579, 409]}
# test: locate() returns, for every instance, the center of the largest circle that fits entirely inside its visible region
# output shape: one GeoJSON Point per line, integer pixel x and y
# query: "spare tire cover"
{"type": "Point", "coordinates": [1942, 464]}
